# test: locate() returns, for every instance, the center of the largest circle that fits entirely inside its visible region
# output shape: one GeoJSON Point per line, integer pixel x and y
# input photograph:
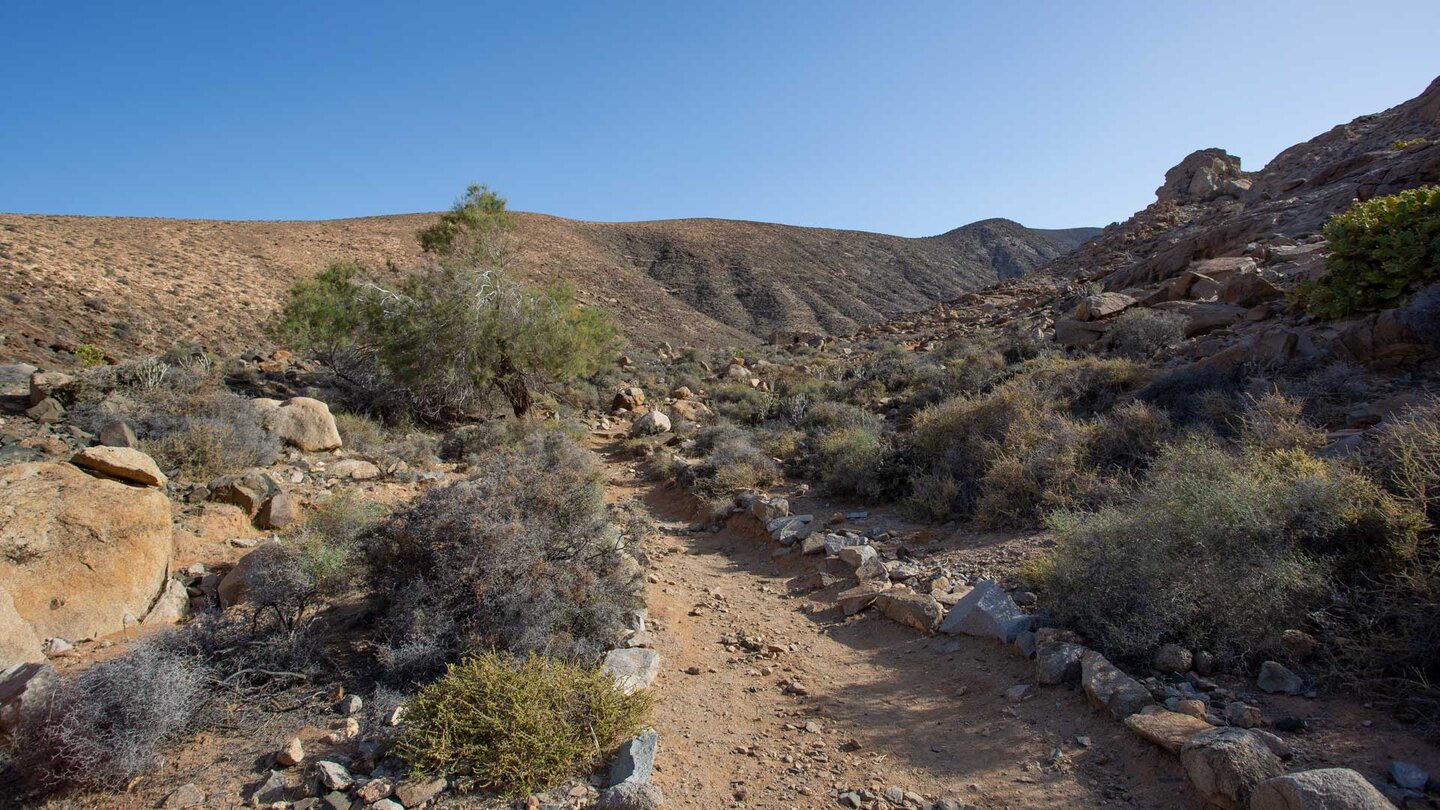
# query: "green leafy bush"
{"type": "Point", "coordinates": [1381, 251]}
{"type": "Point", "coordinates": [461, 329]}
{"type": "Point", "coordinates": [517, 726]}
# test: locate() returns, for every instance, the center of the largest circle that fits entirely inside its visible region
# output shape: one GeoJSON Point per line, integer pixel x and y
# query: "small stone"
{"type": "Point", "coordinates": [350, 704]}
{"type": "Point", "coordinates": [292, 754]}
{"type": "Point", "coordinates": [187, 795]}
{"type": "Point", "coordinates": [374, 790]}
{"type": "Point", "coordinates": [334, 775]}
{"type": "Point", "coordinates": [1194, 708]}
{"type": "Point", "coordinates": [1204, 663]}
{"type": "Point", "coordinates": [1018, 692]}
{"type": "Point", "coordinates": [116, 433]}
{"type": "Point", "coordinates": [631, 795]}
{"type": "Point", "coordinates": [56, 647]}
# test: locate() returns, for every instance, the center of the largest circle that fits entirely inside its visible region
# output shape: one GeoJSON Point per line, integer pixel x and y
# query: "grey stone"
{"type": "Point", "coordinates": [1275, 678]}
{"type": "Point", "coordinates": [273, 788]}
{"type": "Point", "coordinates": [872, 570]}
{"type": "Point", "coordinates": [334, 775]}
{"type": "Point", "coordinates": [23, 685]}
{"type": "Point", "coordinates": [1108, 687]}
{"type": "Point", "coordinates": [634, 668]}
{"type": "Point", "coordinates": [350, 704]}
{"type": "Point", "coordinates": [631, 796]}
{"type": "Point", "coordinates": [835, 543]}
{"type": "Point", "coordinates": [636, 760]}
{"type": "Point", "coordinates": [1318, 789]}
{"type": "Point", "coordinates": [384, 804]}
{"type": "Point", "coordinates": [856, 556]}
{"type": "Point", "coordinates": [1409, 776]}
{"type": "Point", "coordinates": [1226, 765]}
{"type": "Point", "coordinates": [768, 509]}
{"type": "Point", "coordinates": [986, 611]}
{"type": "Point", "coordinates": [47, 411]}
{"type": "Point", "coordinates": [1025, 644]}
{"type": "Point", "coordinates": [814, 544]}
{"type": "Point", "coordinates": [415, 792]}
{"type": "Point", "coordinates": [187, 795]}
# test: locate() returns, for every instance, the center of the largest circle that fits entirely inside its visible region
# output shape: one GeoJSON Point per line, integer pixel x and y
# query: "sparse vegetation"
{"type": "Point", "coordinates": [517, 725]}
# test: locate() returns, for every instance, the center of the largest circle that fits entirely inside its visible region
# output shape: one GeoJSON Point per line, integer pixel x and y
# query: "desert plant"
{"type": "Point", "coordinates": [1277, 422]}
{"type": "Point", "coordinates": [1381, 251]}
{"type": "Point", "coordinates": [456, 331]}
{"type": "Point", "coordinates": [1138, 333]}
{"type": "Point", "coordinates": [109, 723]}
{"type": "Point", "coordinates": [89, 355]}
{"type": "Point", "coordinates": [519, 556]}
{"type": "Point", "coordinates": [850, 461]}
{"type": "Point", "coordinates": [517, 726]}
{"type": "Point", "coordinates": [1271, 530]}
{"type": "Point", "coordinates": [731, 463]}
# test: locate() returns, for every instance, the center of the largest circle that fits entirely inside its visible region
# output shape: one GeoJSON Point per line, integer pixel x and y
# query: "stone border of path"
{"type": "Point", "coordinates": [1228, 766]}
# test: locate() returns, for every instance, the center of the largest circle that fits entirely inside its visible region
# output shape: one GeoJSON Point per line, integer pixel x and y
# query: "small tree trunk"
{"type": "Point", "coordinates": [512, 384]}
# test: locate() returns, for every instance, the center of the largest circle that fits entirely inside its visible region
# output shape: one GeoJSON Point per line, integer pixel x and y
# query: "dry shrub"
{"type": "Point", "coordinates": [517, 726]}
{"type": "Point", "coordinates": [933, 496]}
{"type": "Point", "coordinates": [109, 723]}
{"type": "Point", "coordinates": [1218, 550]}
{"type": "Point", "coordinates": [378, 441]}
{"type": "Point", "coordinates": [1138, 333]}
{"type": "Point", "coordinates": [1277, 422]}
{"type": "Point", "coordinates": [520, 556]}
{"type": "Point", "coordinates": [852, 461]}
{"type": "Point", "coordinates": [731, 464]}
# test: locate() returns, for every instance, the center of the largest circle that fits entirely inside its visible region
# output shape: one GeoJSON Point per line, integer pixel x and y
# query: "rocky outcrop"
{"type": "Point", "coordinates": [80, 556]}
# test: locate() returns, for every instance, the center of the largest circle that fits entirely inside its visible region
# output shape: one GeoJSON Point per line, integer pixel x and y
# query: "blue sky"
{"type": "Point", "coordinates": [900, 117]}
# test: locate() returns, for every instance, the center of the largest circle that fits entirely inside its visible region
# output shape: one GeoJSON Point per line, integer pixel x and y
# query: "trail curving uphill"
{"type": "Point", "coordinates": [913, 719]}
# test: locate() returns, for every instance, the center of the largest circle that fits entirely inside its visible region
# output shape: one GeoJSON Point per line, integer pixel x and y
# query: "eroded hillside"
{"type": "Point", "coordinates": [132, 285]}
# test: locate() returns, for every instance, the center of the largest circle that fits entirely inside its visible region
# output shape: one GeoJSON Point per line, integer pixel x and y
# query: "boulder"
{"type": "Point", "coordinates": [47, 411]}
{"type": "Point", "coordinates": [1057, 662]}
{"type": "Point", "coordinates": [249, 490]}
{"type": "Point", "coordinates": [872, 570]}
{"type": "Point", "coordinates": [1076, 334]}
{"type": "Point", "coordinates": [301, 422]}
{"type": "Point", "coordinates": [357, 469]}
{"type": "Point", "coordinates": [1169, 730]}
{"type": "Point", "coordinates": [172, 606]}
{"type": "Point", "coordinates": [15, 379]}
{"type": "Point", "coordinates": [1248, 290]}
{"type": "Point", "coordinates": [1110, 688]}
{"type": "Point", "coordinates": [1203, 176]}
{"type": "Point", "coordinates": [333, 775]}
{"type": "Point", "coordinates": [861, 596]}
{"type": "Point", "coordinates": [636, 760]}
{"type": "Point", "coordinates": [650, 423]}
{"type": "Point", "coordinates": [277, 512]}
{"type": "Point", "coordinates": [79, 555]}
{"type": "Point", "coordinates": [48, 385]}
{"type": "Point", "coordinates": [234, 586]}
{"type": "Point", "coordinates": [1318, 789]}
{"type": "Point", "coordinates": [987, 610]}
{"type": "Point", "coordinates": [916, 610]}
{"type": "Point", "coordinates": [856, 556]}
{"type": "Point", "coordinates": [631, 795]}
{"type": "Point", "coordinates": [767, 510]}
{"type": "Point", "coordinates": [1173, 658]}
{"type": "Point", "coordinates": [628, 398]}
{"type": "Point", "coordinates": [1103, 305]}
{"type": "Point", "coordinates": [123, 463]}
{"type": "Point", "coordinates": [1276, 679]}
{"type": "Point", "coordinates": [633, 668]}
{"type": "Point", "coordinates": [836, 543]}
{"type": "Point", "coordinates": [691, 411]}
{"type": "Point", "coordinates": [22, 685]}
{"type": "Point", "coordinates": [1226, 765]}
{"type": "Point", "coordinates": [117, 433]}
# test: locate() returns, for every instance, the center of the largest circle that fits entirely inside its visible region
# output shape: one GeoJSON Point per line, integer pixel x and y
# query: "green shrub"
{"type": "Point", "coordinates": [1218, 551]}
{"type": "Point", "coordinates": [1277, 422]}
{"type": "Point", "coordinates": [517, 726]}
{"type": "Point", "coordinates": [1381, 251]}
{"type": "Point", "coordinates": [731, 463]}
{"type": "Point", "coordinates": [90, 355]}
{"type": "Point", "coordinates": [1401, 145]}
{"type": "Point", "coordinates": [742, 404]}
{"type": "Point", "coordinates": [460, 330]}
{"type": "Point", "coordinates": [850, 461]}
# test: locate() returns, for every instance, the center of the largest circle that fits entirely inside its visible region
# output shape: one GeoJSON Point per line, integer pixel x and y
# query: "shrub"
{"type": "Point", "coordinates": [1034, 474]}
{"type": "Point", "coordinates": [373, 439]}
{"type": "Point", "coordinates": [850, 461]}
{"type": "Point", "coordinates": [109, 723]}
{"type": "Point", "coordinates": [934, 496]}
{"type": "Point", "coordinates": [731, 464]}
{"type": "Point", "coordinates": [89, 355]}
{"type": "Point", "coordinates": [1406, 458]}
{"type": "Point", "coordinates": [520, 556]}
{"type": "Point", "coordinates": [1276, 422]}
{"type": "Point", "coordinates": [517, 726]}
{"type": "Point", "coordinates": [1381, 251]}
{"type": "Point", "coordinates": [742, 404]}
{"type": "Point", "coordinates": [1218, 551]}
{"type": "Point", "coordinates": [1138, 333]}
{"type": "Point", "coordinates": [456, 332]}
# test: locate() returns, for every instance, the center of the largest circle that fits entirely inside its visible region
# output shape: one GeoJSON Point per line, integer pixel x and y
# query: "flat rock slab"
{"type": "Point", "coordinates": [860, 597]}
{"type": "Point", "coordinates": [1169, 730]}
{"type": "Point", "coordinates": [123, 463]}
{"type": "Point", "coordinates": [633, 668]}
{"type": "Point", "coordinates": [916, 610]}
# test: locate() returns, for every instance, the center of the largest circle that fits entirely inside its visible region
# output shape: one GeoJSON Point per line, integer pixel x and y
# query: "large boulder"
{"type": "Point", "coordinates": [301, 422]}
{"type": "Point", "coordinates": [80, 556]}
{"type": "Point", "coordinates": [1202, 176]}
{"type": "Point", "coordinates": [633, 668]}
{"type": "Point", "coordinates": [1319, 789]}
{"type": "Point", "coordinates": [1226, 765]}
{"type": "Point", "coordinates": [917, 610]}
{"type": "Point", "coordinates": [1102, 305]}
{"type": "Point", "coordinates": [650, 423]}
{"type": "Point", "coordinates": [1108, 687]}
{"type": "Point", "coordinates": [123, 463]}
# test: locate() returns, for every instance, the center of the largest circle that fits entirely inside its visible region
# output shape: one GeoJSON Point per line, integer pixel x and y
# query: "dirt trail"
{"type": "Point", "coordinates": [928, 713]}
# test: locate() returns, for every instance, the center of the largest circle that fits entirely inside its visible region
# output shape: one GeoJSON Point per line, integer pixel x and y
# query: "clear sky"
{"type": "Point", "coordinates": [901, 117]}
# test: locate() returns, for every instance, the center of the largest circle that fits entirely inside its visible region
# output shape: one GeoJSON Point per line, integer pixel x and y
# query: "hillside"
{"type": "Point", "coordinates": [133, 285]}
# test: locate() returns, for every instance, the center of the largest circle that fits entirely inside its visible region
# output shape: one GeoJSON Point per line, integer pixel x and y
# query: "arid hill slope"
{"type": "Point", "coordinates": [132, 285]}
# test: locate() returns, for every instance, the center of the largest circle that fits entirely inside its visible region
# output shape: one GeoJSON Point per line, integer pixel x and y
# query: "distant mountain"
{"type": "Point", "coordinates": [132, 285]}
